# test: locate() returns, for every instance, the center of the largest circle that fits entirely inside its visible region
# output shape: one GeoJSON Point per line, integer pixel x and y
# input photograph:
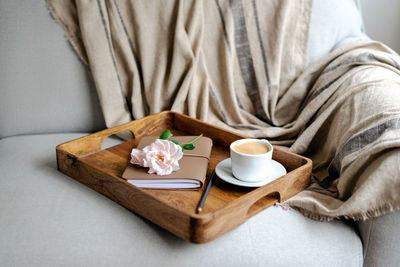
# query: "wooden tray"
{"type": "Point", "coordinates": [227, 206]}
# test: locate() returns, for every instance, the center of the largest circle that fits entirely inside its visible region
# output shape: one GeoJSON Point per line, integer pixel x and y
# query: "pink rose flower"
{"type": "Point", "coordinates": [137, 157]}
{"type": "Point", "coordinates": [161, 157]}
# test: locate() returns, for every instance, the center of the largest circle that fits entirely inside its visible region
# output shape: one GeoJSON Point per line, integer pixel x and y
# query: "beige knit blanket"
{"type": "Point", "coordinates": [241, 65]}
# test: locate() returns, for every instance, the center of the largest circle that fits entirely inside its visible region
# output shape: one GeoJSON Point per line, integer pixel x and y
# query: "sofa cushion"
{"type": "Point", "coordinates": [44, 86]}
{"type": "Point", "coordinates": [49, 219]}
{"type": "Point", "coordinates": [333, 24]}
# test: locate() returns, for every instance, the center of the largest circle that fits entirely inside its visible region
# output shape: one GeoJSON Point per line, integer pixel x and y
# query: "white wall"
{"type": "Point", "coordinates": [382, 21]}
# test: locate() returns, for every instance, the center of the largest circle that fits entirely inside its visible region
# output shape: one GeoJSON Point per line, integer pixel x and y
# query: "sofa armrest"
{"type": "Point", "coordinates": [381, 240]}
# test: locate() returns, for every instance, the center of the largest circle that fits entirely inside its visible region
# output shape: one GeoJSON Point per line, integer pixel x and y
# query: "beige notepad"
{"type": "Point", "coordinates": [191, 175]}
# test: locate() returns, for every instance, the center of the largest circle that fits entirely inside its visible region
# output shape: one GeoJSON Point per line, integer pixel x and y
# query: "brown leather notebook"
{"type": "Point", "coordinates": [192, 167]}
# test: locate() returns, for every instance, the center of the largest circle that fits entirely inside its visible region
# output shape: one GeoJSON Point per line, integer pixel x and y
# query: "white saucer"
{"type": "Point", "coordinates": [224, 171]}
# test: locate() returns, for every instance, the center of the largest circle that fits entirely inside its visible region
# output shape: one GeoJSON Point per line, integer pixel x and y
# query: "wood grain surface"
{"type": "Point", "coordinates": [227, 206]}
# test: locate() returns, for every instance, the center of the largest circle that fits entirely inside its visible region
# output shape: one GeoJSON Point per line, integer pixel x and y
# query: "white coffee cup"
{"type": "Point", "coordinates": [250, 167]}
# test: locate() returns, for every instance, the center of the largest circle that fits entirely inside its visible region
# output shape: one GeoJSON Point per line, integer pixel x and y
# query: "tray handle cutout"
{"type": "Point", "coordinates": [116, 139]}
{"type": "Point", "coordinates": [266, 200]}
{"type": "Point", "coordinates": [89, 144]}
{"type": "Point", "coordinates": [112, 136]}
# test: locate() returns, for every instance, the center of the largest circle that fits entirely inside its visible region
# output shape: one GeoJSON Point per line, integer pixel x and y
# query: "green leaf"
{"type": "Point", "coordinates": [175, 142]}
{"type": "Point", "coordinates": [189, 146]}
{"type": "Point", "coordinates": [166, 134]}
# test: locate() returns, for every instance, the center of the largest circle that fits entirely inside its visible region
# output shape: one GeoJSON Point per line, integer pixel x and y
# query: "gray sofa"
{"type": "Point", "coordinates": [49, 219]}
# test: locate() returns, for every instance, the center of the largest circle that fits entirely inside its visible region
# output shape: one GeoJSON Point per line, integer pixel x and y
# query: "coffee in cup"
{"type": "Point", "coordinates": [251, 159]}
{"type": "Point", "coordinates": [251, 148]}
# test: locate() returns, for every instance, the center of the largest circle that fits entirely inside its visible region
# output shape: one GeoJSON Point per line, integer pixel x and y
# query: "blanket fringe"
{"type": "Point", "coordinates": [69, 36]}
{"type": "Point", "coordinates": [370, 214]}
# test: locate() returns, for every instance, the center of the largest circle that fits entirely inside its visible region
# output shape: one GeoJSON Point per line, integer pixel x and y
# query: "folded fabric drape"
{"type": "Point", "coordinates": [241, 65]}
